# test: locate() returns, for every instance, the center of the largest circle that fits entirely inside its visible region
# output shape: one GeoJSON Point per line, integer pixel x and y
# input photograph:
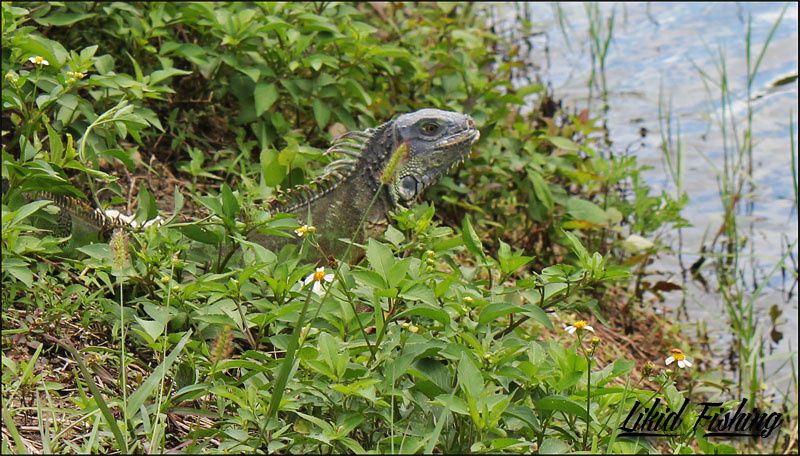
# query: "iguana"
{"type": "Point", "coordinates": [397, 161]}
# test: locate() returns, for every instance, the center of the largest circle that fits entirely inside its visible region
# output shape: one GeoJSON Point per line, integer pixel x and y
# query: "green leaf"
{"type": "Point", "coordinates": [554, 446]}
{"type": "Point", "coordinates": [510, 262]}
{"type": "Point", "coordinates": [496, 310]}
{"type": "Point", "coordinates": [104, 64]}
{"type": "Point", "coordinates": [434, 437]}
{"type": "Point", "coordinates": [121, 155]}
{"type": "Point", "coordinates": [272, 171]}
{"type": "Point", "coordinates": [577, 247]}
{"type": "Point", "coordinates": [200, 234]}
{"type": "Point", "coordinates": [56, 146]}
{"type": "Point", "coordinates": [33, 45]}
{"type": "Point", "coordinates": [419, 292]}
{"type": "Point", "coordinates": [470, 378]}
{"type": "Point", "coordinates": [230, 206]}
{"type": "Point", "coordinates": [380, 257]}
{"type": "Point", "coordinates": [586, 210]}
{"type": "Point", "coordinates": [166, 73]}
{"type": "Point", "coordinates": [99, 251]}
{"type": "Point", "coordinates": [394, 235]}
{"type": "Point", "coordinates": [151, 327]}
{"type": "Point", "coordinates": [541, 189]}
{"type": "Point", "coordinates": [211, 203]}
{"type": "Point", "coordinates": [429, 312]}
{"type": "Point", "coordinates": [563, 143]}
{"type": "Point", "coordinates": [370, 278]}
{"type": "Point", "coordinates": [453, 403]}
{"type": "Point", "coordinates": [265, 96]}
{"type": "Point", "coordinates": [61, 19]}
{"type": "Point", "coordinates": [322, 114]}
{"type": "Point", "coordinates": [147, 209]}
{"type": "Point", "coordinates": [389, 51]}
{"type": "Point", "coordinates": [471, 239]}
{"type": "Point", "coordinates": [19, 270]}
{"type": "Point", "coordinates": [26, 211]}
{"type": "Point", "coordinates": [398, 272]}
{"type": "Point", "coordinates": [558, 403]}
{"type": "Point", "coordinates": [536, 312]}
{"type": "Point", "coordinates": [329, 352]}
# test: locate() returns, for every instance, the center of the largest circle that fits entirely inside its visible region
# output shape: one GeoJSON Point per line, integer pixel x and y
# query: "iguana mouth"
{"type": "Point", "coordinates": [472, 135]}
{"type": "Point", "coordinates": [461, 141]}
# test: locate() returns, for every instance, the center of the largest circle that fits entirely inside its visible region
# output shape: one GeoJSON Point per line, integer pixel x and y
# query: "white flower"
{"type": "Point", "coordinates": [579, 325]}
{"type": "Point", "coordinates": [635, 243]}
{"type": "Point", "coordinates": [38, 60]}
{"type": "Point", "coordinates": [317, 277]}
{"type": "Point", "coordinates": [677, 355]}
{"type": "Point", "coordinates": [305, 230]}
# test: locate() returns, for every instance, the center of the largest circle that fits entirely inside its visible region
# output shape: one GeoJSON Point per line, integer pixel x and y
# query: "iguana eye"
{"type": "Point", "coordinates": [408, 188]}
{"type": "Point", "coordinates": [429, 127]}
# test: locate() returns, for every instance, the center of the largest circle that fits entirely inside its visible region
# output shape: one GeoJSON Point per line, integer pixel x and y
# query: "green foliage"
{"type": "Point", "coordinates": [439, 328]}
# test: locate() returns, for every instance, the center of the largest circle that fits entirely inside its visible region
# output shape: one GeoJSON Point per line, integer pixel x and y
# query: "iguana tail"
{"type": "Point", "coordinates": [78, 218]}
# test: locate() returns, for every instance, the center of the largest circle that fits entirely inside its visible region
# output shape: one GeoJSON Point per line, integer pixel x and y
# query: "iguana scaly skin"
{"type": "Point", "coordinates": [383, 168]}
{"type": "Point", "coordinates": [397, 161]}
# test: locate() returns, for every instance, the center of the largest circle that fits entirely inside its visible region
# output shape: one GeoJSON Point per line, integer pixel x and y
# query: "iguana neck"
{"type": "Point", "coordinates": [339, 202]}
{"type": "Point", "coordinates": [366, 170]}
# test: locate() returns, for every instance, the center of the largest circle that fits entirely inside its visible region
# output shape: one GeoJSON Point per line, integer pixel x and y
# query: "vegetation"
{"type": "Point", "coordinates": [448, 336]}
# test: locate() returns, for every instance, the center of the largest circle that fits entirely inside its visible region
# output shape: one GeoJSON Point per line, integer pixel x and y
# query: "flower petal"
{"type": "Point", "coordinates": [308, 279]}
{"type": "Point", "coordinates": [669, 360]}
{"type": "Point", "coordinates": [589, 328]}
{"type": "Point", "coordinates": [328, 277]}
{"type": "Point", "coordinates": [687, 362]}
{"type": "Point", "coordinates": [571, 329]}
{"type": "Point", "coordinates": [317, 288]}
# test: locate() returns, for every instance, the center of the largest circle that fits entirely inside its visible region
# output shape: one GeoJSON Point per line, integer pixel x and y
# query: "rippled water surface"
{"type": "Point", "coordinates": [666, 45]}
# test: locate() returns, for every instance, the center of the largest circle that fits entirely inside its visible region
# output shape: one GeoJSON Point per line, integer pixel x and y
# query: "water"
{"type": "Point", "coordinates": [663, 45]}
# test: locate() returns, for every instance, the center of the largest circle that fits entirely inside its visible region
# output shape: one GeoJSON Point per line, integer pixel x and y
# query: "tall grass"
{"type": "Point", "coordinates": [601, 33]}
{"type": "Point", "coordinates": [673, 152]}
{"type": "Point", "coordinates": [736, 186]}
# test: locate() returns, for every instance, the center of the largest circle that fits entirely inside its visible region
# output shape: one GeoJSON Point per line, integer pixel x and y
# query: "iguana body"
{"type": "Point", "coordinates": [421, 147]}
{"type": "Point", "coordinates": [397, 161]}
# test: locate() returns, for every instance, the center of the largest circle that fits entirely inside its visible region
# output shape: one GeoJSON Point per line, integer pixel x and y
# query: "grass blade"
{"type": "Point", "coordinates": [138, 397]}
{"type": "Point", "coordinates": [12, 429]}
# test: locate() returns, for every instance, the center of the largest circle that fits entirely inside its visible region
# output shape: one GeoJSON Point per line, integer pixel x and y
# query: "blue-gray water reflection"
{"type": "Point", "coordinates": [662, 45]}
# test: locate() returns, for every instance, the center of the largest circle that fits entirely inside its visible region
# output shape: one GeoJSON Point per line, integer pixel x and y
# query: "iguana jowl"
{"type": "Point", "coordinates": [421, 147]}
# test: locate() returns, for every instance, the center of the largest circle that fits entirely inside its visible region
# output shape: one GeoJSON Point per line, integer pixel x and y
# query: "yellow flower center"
{"type": "Point", "coordinates": [38, 60]}
{"type": "Point", "coordinates": [678, 354]}
{"type": "Point", "coordinates": [319, 275]}
{"type": "Point", "coordinates": [580, 324]}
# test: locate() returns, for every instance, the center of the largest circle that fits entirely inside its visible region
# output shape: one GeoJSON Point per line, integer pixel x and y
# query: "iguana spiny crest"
{"type": "Point", "coordinates": [434, 142]}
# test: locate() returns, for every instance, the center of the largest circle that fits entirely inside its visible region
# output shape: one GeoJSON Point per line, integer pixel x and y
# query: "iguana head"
{"type": "Point", "coordinates": [430, 142]}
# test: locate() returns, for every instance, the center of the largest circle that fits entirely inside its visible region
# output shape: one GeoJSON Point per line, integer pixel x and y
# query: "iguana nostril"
{"type": "Point", "coordinates": [470, 122]}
